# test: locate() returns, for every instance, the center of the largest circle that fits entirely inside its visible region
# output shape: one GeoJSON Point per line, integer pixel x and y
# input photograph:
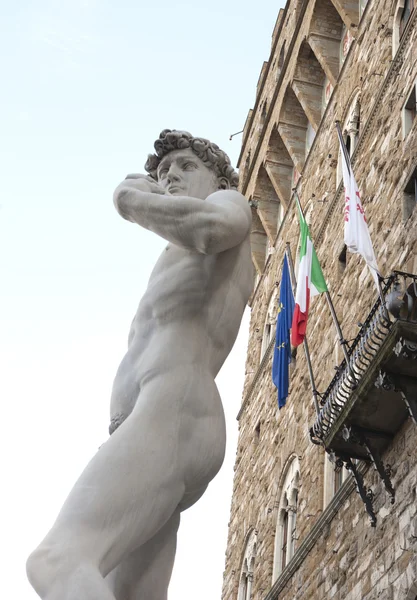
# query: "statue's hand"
{"type": "Point", "coordinates": [143, 183]}
{"type": "Point", "coordinates": [124, 201]}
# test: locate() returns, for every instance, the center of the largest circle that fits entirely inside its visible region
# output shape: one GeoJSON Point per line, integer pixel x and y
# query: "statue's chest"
{"type": "Point", "coordinates": [180, 277]}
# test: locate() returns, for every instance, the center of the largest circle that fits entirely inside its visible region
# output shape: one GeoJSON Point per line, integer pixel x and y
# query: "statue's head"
{"type": "Point", "coordinates": [190, 166]}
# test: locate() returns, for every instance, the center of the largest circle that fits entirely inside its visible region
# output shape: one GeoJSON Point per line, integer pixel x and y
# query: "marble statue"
{"type": "Point", "coordinates": [115, 536]}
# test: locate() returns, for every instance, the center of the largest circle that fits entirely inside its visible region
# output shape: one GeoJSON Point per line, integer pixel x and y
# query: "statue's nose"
{"type": "Point", "coordinates": [172, 174]}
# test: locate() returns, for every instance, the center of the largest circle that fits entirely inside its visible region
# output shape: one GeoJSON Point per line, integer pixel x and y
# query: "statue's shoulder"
{"type": "Point", "coordinates": [229, 196]}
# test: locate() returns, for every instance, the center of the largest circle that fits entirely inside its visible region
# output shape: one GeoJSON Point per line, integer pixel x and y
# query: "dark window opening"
{"type": "Point", "coordinates": [410, 196]}
{"type": "Point", "coordinates": [348, 144]}
{"type": "Point", "coordinates": [257, 433]}
{"type": "Point", "coordinates": [410, 108]}
{"type": "Point", "coordinates": [284, 540]}
{"type": "Point", "coordinates": [338, 479]}
{"type": "Point", "coordinates": [294, 528]}
{"type": "Point", "coordinates": [405, 15]}
{"type": "Point", "coordinates": [342, 260]}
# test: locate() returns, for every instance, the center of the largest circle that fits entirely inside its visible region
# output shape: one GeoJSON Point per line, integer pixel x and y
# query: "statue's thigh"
{"type": "Point", "coordinates": [122, 498]}
{"type": "Point", "coordinates": [146, 572]}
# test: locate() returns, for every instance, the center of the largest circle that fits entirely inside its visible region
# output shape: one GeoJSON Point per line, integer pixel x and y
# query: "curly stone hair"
{"type": "Point", "coordinates": [209, 153]}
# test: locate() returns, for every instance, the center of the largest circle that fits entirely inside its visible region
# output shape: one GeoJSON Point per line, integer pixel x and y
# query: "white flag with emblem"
{"type": "Point", "coordinates": [357, 238]}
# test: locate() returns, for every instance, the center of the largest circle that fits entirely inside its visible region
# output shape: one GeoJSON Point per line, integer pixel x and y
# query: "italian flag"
{"type": "Point", "coordinates": [310, 282]}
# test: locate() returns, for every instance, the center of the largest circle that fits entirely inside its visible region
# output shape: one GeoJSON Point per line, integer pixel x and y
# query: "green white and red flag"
{"type": "Point", "coordinates": [310, 281]}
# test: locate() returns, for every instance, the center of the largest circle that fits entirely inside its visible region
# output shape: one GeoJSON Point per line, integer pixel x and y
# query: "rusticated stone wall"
{"type": "Point", "coordinates": [347, 558]}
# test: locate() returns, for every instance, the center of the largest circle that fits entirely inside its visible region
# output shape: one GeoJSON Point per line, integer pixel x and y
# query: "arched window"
{"type": "Point", "coordinates": [405, 15]}
{"type": "Point", "coordinates": [350, 130]}
{"type": "Point", "coordinates": [270, 322]}
{"type": "Point", "coordinates": [402, 15]}
{"type": "Point", "coordinates": [248, 563]}
{"type": "Point", "coordinates": [285, 536]}
{"type": "Point", "coordinates": [334, 476]}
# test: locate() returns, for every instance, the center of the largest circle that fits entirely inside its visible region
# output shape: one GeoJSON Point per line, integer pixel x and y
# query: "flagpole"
{"type": "Point", "coordinates": [349, 166]}
{"type": "Point", "coordinates": [342, 340]}
{"type": "Point", "coordinates": [305, 344]}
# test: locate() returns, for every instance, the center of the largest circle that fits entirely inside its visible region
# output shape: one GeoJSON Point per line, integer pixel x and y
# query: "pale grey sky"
{"type": "Point", "coordinates": [87, 87]}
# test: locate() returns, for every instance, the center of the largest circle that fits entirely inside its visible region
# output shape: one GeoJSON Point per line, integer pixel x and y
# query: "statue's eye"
{"type": "Point", "coordinates": [189, 166]}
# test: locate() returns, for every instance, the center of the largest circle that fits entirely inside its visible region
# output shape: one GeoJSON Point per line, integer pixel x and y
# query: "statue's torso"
{"type": "Point", "coordinates": [194, 303]}
{"type": "Point", "coordinates": [189, 317]}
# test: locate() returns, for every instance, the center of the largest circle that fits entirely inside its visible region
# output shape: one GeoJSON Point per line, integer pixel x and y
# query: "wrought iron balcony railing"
{"type": "Point", "coordinates": [400, 296]}
{"type": "Point", "coordinates": [369, 398]}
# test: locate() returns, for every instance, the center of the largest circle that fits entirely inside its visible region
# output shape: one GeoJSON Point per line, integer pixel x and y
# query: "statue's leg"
{"type": "Point", "coordinates": [128, 491]}
{"type": "Point", "coordinates": [145, 573]}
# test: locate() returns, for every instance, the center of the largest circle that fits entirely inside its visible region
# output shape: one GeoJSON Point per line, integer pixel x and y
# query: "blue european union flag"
{"type": "Point", "coordinates": [282, 352]}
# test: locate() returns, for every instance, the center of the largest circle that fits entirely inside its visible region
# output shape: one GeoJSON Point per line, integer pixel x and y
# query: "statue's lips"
{"type": "Point", "coordinates": [174, 188]}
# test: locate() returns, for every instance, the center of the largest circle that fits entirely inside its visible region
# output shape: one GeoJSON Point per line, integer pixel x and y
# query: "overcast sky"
{"type": "Point", "coordinates": [87, 87]}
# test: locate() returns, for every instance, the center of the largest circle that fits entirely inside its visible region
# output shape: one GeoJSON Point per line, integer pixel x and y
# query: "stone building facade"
{"type": "Point", "coordinates": [325, 498]}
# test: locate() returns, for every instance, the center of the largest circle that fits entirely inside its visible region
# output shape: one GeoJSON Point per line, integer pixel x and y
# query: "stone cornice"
{"type": "Point", "coordinates": [262, 85]}
{"type": "Point", "coordinates": [325, 519]}
{"type": "Point", "coordinates": [275, 94]}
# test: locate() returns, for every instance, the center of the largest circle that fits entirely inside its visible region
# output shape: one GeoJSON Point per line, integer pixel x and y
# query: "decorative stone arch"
{"type": "Point", "coordinates": [403, 10]}
{"type": "Point", "coordinates": [247, 565]}
{"type": "Point", "coordinates": [286, 515]}
{"type": "Point", "coordinates": [270, 320]}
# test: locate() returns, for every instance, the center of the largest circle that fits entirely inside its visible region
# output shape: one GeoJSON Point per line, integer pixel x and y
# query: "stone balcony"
{"type": "Point", "coordinates": [366, 403]}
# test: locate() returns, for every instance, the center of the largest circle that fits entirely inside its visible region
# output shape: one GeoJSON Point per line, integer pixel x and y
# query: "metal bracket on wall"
{"type": "Point", "coordinates": [360, 436]}
{"type": "Point", "coordinates": [366, 495]}
{"type": "Point", "coordinates": [404, 385]}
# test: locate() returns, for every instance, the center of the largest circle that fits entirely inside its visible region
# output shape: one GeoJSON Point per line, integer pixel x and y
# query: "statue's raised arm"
{"type": "Point", "coordinates": [177, 201]}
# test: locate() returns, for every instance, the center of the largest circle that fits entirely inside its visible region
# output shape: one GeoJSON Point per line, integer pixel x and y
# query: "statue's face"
{"type": "Point", "coordinates": [182, 173]}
